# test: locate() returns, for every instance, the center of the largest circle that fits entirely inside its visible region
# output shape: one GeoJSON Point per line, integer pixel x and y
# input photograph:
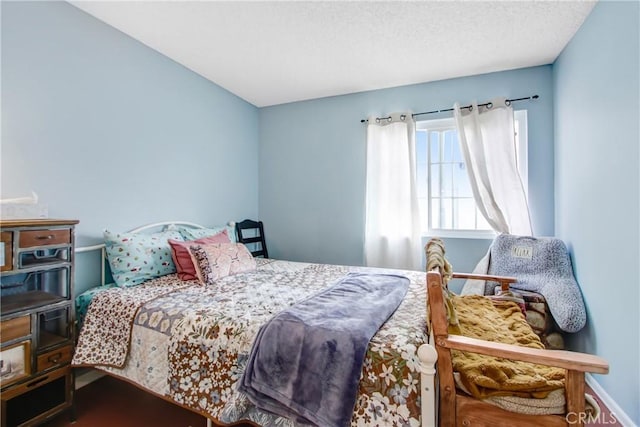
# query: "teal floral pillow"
{"type": "Point", "coordinates": [135, 258]}
{"type": "Point", "coordinates": [199, 233]}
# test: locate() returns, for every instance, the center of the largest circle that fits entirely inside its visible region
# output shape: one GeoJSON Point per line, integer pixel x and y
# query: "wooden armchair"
{"type": "Point", "coordinates": [456, 408]}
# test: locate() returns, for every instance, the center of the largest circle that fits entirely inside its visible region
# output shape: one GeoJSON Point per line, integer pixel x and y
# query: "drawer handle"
{"type": "Point", "coordinates": [47, 237]}
{"type": "Point", "coordinates": [55, 358]}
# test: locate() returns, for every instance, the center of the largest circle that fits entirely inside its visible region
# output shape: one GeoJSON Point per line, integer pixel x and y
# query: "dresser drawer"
{"type": "Point", "coordinates": [44, 237]}
{"type": "Point", "coordinates": [55, 357]}
{"type": "Point", "coordinates": [15, 328]}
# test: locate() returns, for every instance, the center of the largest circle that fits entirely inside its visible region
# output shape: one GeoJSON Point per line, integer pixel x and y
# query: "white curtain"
{"type": "Point", "coordinates": [392, 230]}
{"type": "Point", "coordinates": [487, 142]}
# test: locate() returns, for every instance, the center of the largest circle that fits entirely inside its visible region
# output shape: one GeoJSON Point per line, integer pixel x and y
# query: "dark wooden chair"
{"type": "Point", "coordinates": [252, 233]}
{"type": "Point", "coordinates": [456, 408]}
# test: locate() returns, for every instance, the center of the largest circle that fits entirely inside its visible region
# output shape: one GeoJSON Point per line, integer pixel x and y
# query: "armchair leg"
{"type": "Point", "coordinates": [575, 397]}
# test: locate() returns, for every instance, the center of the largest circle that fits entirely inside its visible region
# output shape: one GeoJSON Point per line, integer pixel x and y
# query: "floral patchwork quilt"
{"type": "Point", "coordinates": [191, 344]}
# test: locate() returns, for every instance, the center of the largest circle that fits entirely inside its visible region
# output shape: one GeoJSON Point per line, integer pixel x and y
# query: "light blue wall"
{"type": "Point", "coordinates": [312, 162]}
{"type": "Point", "coordinates": [114, 134]}
{"type": "Point", "coordinates": [597, 187]}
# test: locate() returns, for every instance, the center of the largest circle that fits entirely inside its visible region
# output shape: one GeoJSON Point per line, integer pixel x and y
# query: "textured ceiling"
{"type": "Point", "coordinates": [274, 52]}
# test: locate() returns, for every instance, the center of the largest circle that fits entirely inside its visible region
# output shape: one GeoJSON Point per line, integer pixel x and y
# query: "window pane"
{"type": "Point", "coordinates": [435, 181]}
{"type": "Point", "coordinates": [446, 186]}
{"type": "Point", "coordinates": [435, 146]}
{"type": "Point", "coordinates": [435, 213]}
{"type": "Point", "coordinates": [461, 184]}
{"type": "Point", "coordinates": [448, 145]}
{"type": "Point", "coordinates": [457, 153]}
{"type": "Point", "coordinates": [421, 146]}
{"type": "Point", "coordinates": [446, 213]}
{"type": "Point", "coordinates": [465, 213]}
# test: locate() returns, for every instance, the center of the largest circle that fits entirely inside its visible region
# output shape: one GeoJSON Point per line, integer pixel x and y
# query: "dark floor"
{"type": "Point", "coordinates": [109, 402]}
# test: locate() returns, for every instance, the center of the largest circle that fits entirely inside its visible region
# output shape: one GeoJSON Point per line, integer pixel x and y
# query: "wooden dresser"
{"type": "Point", "coordinates": [36, 320]}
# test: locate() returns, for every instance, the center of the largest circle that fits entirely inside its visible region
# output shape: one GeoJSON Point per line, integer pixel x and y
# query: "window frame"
{"type": "Point", "coordinates": [442, 124]}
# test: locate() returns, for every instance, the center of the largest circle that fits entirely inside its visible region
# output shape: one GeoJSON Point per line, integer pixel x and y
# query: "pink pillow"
{"type": "Point", "coordinates": [182, 258]}
{"type": "Point", "coordinates": [216, 260]}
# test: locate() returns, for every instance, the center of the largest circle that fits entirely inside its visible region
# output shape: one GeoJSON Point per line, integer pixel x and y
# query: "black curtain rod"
{"type": "Point", "coordinates": [468, 107]}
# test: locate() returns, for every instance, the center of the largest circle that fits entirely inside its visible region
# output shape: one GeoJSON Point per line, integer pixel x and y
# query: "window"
{"type": "Point", "coordinates": [447, 206]}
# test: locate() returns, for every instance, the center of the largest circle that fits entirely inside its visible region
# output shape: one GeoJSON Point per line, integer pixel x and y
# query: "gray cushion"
{"type": "Point", "coordinates": [541, 265]}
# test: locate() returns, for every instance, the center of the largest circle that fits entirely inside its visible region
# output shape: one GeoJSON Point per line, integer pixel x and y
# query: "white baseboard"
{"type": "Point", "coordinates": [87, 377]}
{"type": "Point", "coordinates": [616, 410]}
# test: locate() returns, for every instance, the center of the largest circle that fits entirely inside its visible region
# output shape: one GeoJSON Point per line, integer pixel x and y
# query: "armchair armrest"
{"type": "Point", "coordinates": [504, 281]}
{"type": "Point", "coordinates": [569, 360]}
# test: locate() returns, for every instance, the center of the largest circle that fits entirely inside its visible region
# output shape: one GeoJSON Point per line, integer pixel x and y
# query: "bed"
{"type": "Point", "coordinates": [190, 343]}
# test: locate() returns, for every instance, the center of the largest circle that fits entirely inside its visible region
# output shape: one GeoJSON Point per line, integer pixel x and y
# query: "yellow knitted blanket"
{"type": "Point", "coordinates": [499, 321]}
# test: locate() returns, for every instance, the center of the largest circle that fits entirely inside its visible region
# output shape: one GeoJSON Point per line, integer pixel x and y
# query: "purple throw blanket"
{"type": "Point", "coordinates": [306, 361]}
